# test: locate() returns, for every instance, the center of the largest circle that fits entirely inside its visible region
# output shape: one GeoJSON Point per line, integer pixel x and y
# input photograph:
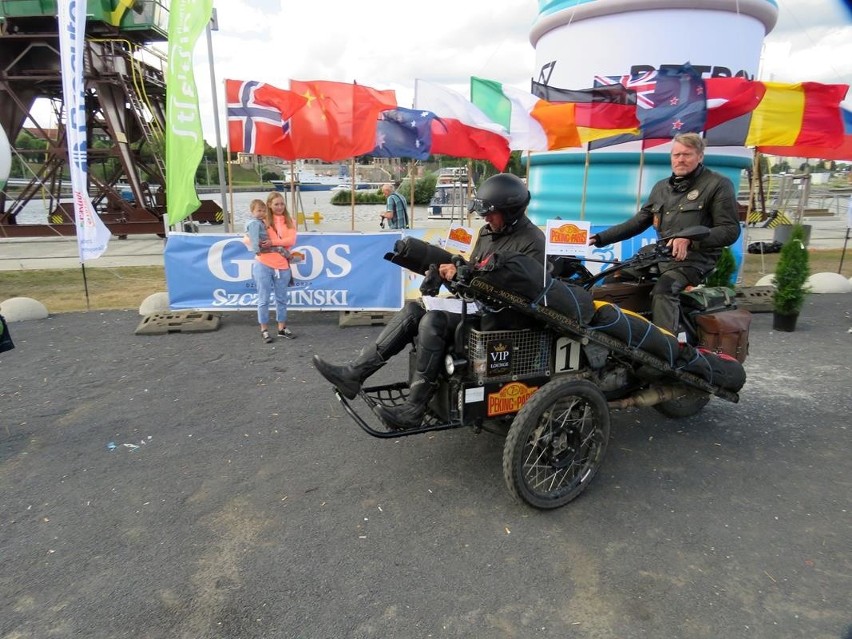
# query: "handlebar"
{"type": "Point", "coordinates": [573, 268]}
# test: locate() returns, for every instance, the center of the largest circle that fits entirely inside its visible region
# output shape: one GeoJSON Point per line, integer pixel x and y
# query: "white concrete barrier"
{"type": "Point", "coordinates": [19, 309]}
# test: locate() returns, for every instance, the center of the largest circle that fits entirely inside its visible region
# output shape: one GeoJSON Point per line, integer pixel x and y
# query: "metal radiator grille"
{"type": "Point", "coordinates": [530, 353]}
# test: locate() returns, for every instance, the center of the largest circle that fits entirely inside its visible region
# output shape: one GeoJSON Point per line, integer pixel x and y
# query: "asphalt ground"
{"type": "Point", "coordinates": [253, 507]}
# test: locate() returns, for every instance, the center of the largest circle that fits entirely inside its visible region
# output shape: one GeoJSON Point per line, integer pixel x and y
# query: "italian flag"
{"type": "Point", "coordinates": [533, 124]}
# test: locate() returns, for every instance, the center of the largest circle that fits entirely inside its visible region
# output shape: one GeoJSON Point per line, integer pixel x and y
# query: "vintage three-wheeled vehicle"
{"type": "Point", "coordinates": [550, 389]}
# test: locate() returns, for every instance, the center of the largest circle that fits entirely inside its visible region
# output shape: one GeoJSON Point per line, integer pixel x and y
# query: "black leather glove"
{"type": "Point", "coordinates": [431, 281]}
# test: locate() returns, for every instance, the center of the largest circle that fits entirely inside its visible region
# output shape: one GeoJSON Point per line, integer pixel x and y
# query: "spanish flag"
{"type": "Point", "coordinates": [805, 113]}
{"type": "Point", "coordinates": [841, 148]}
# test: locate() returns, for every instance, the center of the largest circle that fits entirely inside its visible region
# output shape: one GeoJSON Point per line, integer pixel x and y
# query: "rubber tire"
{"type": "Point", "coordinates": [527, 421]}
{"type": "Point", "coordinates": [683, 407]}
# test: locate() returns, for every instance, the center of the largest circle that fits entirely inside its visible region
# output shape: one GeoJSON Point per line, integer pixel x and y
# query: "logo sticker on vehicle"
{"type": "Point", "coordinates": [509, 399]}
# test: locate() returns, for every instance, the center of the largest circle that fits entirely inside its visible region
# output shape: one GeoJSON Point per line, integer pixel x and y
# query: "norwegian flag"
{"type": "Point", "coordinates": [643, 83]}
{"type": "Point", "coordinates": [258, 118]}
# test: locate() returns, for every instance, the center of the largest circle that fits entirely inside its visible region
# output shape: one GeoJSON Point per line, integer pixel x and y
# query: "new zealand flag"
{"type": "Point", "coordinates": [404, 133]}
{"type": "Point", "coordinates": [679, 104]}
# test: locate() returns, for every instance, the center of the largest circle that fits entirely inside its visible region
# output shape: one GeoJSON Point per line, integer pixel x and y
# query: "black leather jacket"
{"type": "Point", "coordinates": [521, 237]}
{"type": "Point", "coordinates": [705, 197]}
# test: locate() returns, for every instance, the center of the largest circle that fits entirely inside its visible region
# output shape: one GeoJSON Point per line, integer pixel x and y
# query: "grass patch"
{"type": "Point", "coordinates": [126, 287]}
{"type": "Point", "coordinates": [821, 261]}
{"type": "Point", "coordinates": [63, 290]}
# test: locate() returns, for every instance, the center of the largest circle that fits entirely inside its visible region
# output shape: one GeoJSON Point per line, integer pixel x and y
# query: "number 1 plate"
{"type": "Point", "coordinates": [567, 355]}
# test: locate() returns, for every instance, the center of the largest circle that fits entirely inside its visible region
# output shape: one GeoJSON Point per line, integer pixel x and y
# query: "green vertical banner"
{"type": "Point", "coordinates": [184, 140]}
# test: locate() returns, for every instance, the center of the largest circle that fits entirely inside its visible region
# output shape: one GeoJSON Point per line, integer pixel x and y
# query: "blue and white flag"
{"type": "Point", "coordinates": [404, 133]}
{"type": "Point", "coordinates": [679, 104]}
{"type": "Point", "coordinates": [92, 235]}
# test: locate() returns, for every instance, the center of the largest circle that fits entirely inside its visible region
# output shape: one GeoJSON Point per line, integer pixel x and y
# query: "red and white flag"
{"type": "Point", "coordinates": [461, 128]}
{"type": "Point", "coordinates": [259, 118]}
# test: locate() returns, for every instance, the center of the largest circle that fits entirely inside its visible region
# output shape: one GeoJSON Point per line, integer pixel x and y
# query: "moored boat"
{"type": "Point", "coordinates": [308, 179]}
{"type": "Point", "coordinates": [449, 200]}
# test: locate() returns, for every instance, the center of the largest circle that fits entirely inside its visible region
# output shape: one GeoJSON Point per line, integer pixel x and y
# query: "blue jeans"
{"type": "Point", "coordinates": [268, 281]}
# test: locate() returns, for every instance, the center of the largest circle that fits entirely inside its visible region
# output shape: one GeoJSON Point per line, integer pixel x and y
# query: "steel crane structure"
{"type": "Point", "coordinates": [125, 93]}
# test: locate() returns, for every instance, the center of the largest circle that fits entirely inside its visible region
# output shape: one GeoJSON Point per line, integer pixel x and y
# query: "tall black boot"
{"type": "Point", "coordinates": [349, 377]}
{"type": "Point", "coordinates": [431, 344]}
{"type": "Point", "coordinates": [410, 414]}
{"type": "Point", "coordinates": [400, 331]}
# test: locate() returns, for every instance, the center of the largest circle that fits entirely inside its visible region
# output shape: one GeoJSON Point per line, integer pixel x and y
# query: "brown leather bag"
{"type": "Point", "coordinates": [725, 332]}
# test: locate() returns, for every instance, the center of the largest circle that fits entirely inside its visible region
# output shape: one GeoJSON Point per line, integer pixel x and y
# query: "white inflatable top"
{"type": "Point", "coordinates": [556, 13]}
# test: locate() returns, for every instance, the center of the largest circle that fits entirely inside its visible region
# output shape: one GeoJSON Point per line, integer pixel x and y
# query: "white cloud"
{"type": "Point", "coordinates": [812, 41]}
{"type": "Point", "coordinates": [379, 44]}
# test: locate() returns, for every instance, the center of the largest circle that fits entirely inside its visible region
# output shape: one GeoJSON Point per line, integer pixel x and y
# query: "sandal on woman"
{"type": "Point", "coordinates": [264, 334]}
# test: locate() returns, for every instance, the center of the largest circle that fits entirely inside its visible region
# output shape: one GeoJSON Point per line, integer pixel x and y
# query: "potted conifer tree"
{"type": "Point", "coordinates": [791, 274]}
{"type": "Point", "coordinates": [726, 267]}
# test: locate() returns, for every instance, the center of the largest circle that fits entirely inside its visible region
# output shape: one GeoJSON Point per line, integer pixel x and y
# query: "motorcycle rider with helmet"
{"type": "Point", "coordinates": [502, 201]}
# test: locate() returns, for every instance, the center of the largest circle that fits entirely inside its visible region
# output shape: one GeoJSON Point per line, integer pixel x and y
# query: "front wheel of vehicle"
{"type": "Point", "coordinates": [556, 443]}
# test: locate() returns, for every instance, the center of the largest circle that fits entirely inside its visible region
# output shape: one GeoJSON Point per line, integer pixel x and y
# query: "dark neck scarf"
{"type": "Point", "coordinates": [684, 183]}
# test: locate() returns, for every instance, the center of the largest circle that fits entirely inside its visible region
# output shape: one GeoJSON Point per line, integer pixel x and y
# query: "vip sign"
{"type": "Point", "coordinates": [498, 358]}
{"type": "Point", "coordinates": [509, 399]}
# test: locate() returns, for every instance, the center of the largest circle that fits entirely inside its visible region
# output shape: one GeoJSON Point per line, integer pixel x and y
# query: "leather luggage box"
{"type": "Point", "coordinates": [725, 332]}
{"type": "Point", "coordinates": [635, 296]}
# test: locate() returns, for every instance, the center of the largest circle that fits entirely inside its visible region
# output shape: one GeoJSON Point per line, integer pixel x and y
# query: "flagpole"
{"type": "Point", "coordinates": [293, 189]}
{"type": "Point", "coordinates": [230, 175]}
{"type": "Point", "coordinates": [411, 189]}
{"type": "Point", "coordinates": [352, 193]}
{"type": "Point", "coordinates": [759, 182]}
{"type": "Point", "coordinates": [469, 190]}
{"type": "Point", "coordinates": [585, 184]}
{"type": "Point", "coordinates": [219, 158]}
{"type": "Point", "coordinates": [755, 178]}
{"type": "Point", "coordinates": [641, 171]}
{"type": "Point", "coordinates": [86, 282]}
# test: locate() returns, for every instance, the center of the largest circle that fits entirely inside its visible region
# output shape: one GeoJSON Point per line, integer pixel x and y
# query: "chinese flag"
{"type": "Point", "coordinates": [338, 121]}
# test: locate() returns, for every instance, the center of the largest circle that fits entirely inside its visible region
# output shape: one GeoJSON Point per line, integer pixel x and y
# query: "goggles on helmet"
{"type": "Point", "coordinates": [481, 207]}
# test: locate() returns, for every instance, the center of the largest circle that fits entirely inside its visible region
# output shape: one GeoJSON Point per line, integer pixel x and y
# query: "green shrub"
{"type": "Point", "coordinates": [726, 267]}
{"type": "Point", "coordinates": [424, 188]}
{"type": "Point", "coordinates": [791, 273]}
{"type": "Point", "coordinates": [373, 196]}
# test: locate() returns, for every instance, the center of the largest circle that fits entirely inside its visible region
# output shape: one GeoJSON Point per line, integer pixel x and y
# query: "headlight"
{"type": "Point", "coordinates": [454, 364]}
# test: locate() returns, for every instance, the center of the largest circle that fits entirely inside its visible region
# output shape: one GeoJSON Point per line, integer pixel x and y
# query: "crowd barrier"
{"type": "Point", "coordinates": [341, 271]}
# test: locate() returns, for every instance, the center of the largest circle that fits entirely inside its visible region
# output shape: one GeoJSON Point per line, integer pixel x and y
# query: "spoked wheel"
{"type": "Point", "coordinates": [556, 443]}
{"type": "Point", "coordinates": [689, 404]}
